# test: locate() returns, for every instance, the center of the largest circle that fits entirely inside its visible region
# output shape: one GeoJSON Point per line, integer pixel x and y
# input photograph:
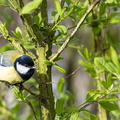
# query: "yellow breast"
{"type": "Point", "coordinates": [9, 74]}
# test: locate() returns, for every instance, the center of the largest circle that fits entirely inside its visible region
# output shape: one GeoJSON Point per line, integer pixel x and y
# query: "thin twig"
{"type": "Point", "coordinates": [86, 104]}
{"type": "Point", "coordinates": [32, 109]}
{"type": "Point", "coordinates": [82, 65]}
{"type": "Point", "coordinates": [30, 92]}
{"type": "Point", "coordinates": [76, 70]}
{"type": "Point", "coordinates": [55, 55]}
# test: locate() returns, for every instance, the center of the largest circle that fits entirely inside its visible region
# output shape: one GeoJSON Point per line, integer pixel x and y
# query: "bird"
{"type": "Point", "coordinates": [15, 68]}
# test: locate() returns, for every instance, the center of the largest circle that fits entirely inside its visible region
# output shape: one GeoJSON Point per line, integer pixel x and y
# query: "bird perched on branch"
{"type": "Point", "coordinates": [15, 68]}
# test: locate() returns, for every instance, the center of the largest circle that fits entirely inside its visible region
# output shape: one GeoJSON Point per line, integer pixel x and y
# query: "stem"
{"type": "Point", "coordinates": [99, 46]}
{"type": "Point", "coordinates": [44, 14]}
{"type": "Point", "coordinates": [44, 72]}
{"type": "Point", "coordinates": [55, 55]}
{"type": "Point", "coordinates": [32, 109]}
{"type": "Point", "coordinates": [76, 70]}
{"type": "Point", "coordinates": [102, 112]}
{"type": "Point", "coordinates": [32, 93]}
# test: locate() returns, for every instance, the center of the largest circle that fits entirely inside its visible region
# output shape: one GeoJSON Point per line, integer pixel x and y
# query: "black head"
{"type": "Point", "coordinates": [24, 65]}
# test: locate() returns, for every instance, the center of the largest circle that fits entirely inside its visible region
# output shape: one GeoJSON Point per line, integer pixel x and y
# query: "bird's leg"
{"type": "Point", "coordinates": [9, 85]}
{"type": "Point", "coordinates": [21, 87]}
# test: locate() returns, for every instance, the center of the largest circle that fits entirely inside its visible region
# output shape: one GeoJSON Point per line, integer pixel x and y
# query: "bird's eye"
{"type": "Point", "coordinates": [26, 65]}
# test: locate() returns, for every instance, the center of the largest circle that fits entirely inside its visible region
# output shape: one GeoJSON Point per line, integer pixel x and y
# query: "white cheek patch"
{"type": "Point", "coordinates": [22, 69]}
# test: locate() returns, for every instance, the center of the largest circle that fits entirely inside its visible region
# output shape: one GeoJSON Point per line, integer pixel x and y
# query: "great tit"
{"type": "Point", "coordinates": [15, 67]}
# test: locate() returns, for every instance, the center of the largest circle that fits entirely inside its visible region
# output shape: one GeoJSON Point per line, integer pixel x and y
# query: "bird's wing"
{"type": "Point", "coordinates": [8, 58]}
{"type": "Point", "coordinates": [1, 59]}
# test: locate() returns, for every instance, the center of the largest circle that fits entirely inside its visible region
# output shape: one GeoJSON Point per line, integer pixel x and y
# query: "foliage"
{"type": "Point", "coordinates": [41, 36]}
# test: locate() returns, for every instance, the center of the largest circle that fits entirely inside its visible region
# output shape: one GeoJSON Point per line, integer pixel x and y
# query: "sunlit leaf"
{"type": "Point", "coordinates": [92, 95]}
{"type": "Point", "coordinates": [47, 62]}
{"type": "Point", "coordinates": [100, 62]}
{"type": "Point", "coordinates": [114, 56]}
{"type": "Point", "coordinates": [74, 115]}
{"type": "Point", "coordinates": [58, 6]}
{"type": "Point", "coordinates": [31, 6]}
{"type": "Point", "coordinates": [93, 117]}
{"type": "Point", "coordinates": [61, 69]}
{"type": "Point", "coordinates": [62, 28]}
{"type": "Point", "coordinates": [111, 98]}
{"type": "Point", "coordinates": [115, 20]}
{"type": "Point", "coordinates": [111, 68]}
{"type": "Point", "coordinates": [60, 85]}
{"type": "Point", "coordinates": [58, 58]}
{"type": "Point", "coordinates": [109, 80]}
{"type": "Point", "coordinates": [18, 32]}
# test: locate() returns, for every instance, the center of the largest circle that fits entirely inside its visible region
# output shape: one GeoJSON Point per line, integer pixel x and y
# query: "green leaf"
{"type": "Point", "coordinates": [18, 32]}
{"type": "Point", "coordinates": [81, 12]}
{"type": "Point", "coordinates": [81, 53]}
{"type": "Point", "coordinates": [55, 16]}
{"type": "Point", "coordinates": [115, 20]}
{"type": "Point", "coordinates": [31, 6]}
{"type": "Point", "coordinates": [102, 9]}
{"type": "Point", "coordinates": [104, 84]}
{"type": "Point", "coordinates": [111, 1]}
{"type": "Point", "coordinates": [114, 56]}
{"type": "Point", "coordinates": [48, 63]}
{"type": "Point", "coordinates": [109, 106]}
{"type": "Point", "coordinates": [20, 95]}
{"type": "Point", "coordinates": [74, 40]}
{"type": "Point", "coordinates": [111, 68]}
{"type": "Point", "coordinates": [74, 115]}
{"type": "Point", "coordinates": [96, 30]}
{"type": "Point", "coordinates": [100, 62]}
{"type": "Point", "coordinates": [6, 47]}
{"type": "Point", "coordinates": [62, 29]}
{"type": "Point", "coordinates": [13, 38]}
{"type": "Point", "coordinates": [112, 15]}
{"type": "Point", "coordinates": [93, 117]}
{"type": "Point", "coordinates": [68, 2]}
{"type": "Point", "coordinates": [111, 98]}
{"type": "Point", "coordinates": [59, 106]}
{"type": "Point", "coordinates": [60, 85]}
{"type": "Point", "coordinates": [38, 19]}
{"type": "Point", "coordinates": [108, 83]}
{"type": "Point", "coordinates": [58, 58]}
{"type": "Point", "coordinates": [61, 69]}
{"type": "Point", "coordinates": [70, 95]}
{"type": "Point", "coordinates": [92, 95]}
{"type": "Point", "coordinates": [109, 80]}
{"type": "Point", "coordinates": [84, 53]}
{"type": "Point", "coordinates": [4, 5]}
{"type": "Point", "coordinates": [58, 6]}
{"type": "Point", "coordinates": [3, 30]}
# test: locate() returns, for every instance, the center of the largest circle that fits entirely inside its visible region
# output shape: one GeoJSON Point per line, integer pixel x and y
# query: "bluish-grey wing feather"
{"type": "Point", "coordinates": [6, 57]}
{"type": "Point", "coordinates": [5, 61]}
{"type": "Point", "coordinates": [1, 59]}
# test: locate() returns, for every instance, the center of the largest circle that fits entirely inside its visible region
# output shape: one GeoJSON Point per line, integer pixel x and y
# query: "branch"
{"type": "Point", "coordinates": [86, 104]}
{"type": "Point", "coordinates": [82, 65]}
{"type": "Point", "coordinates": [56, 54]}
{"type": "Point", "coordinates": [32, 109]}
{"type": "Point", "coordinates": [32, 93]}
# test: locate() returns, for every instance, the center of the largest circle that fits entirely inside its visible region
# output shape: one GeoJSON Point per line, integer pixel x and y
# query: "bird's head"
{"type": "Point", "coordinates": [24, 65]}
